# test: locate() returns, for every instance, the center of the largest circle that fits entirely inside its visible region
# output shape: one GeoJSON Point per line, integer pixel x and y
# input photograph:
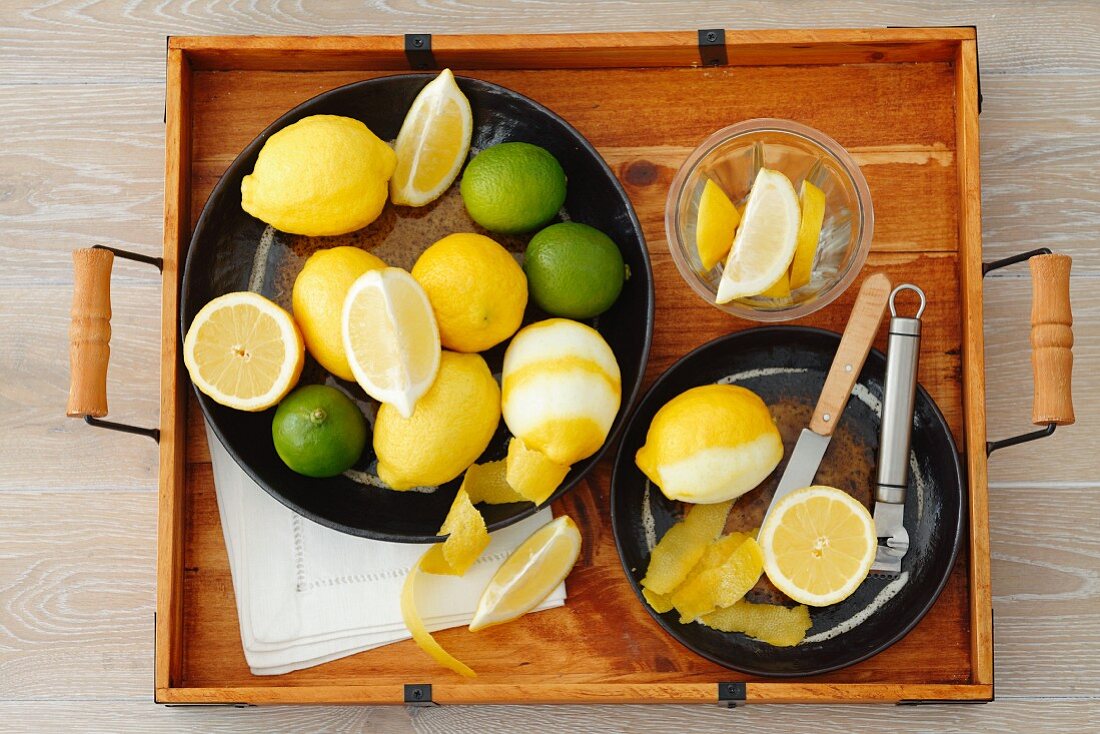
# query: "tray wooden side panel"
{"type": "Point", "coordinates": [603, 646]}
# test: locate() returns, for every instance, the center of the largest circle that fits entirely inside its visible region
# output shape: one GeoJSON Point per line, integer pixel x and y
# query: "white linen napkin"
{"type": "Point", "coordinates": [307, 594]}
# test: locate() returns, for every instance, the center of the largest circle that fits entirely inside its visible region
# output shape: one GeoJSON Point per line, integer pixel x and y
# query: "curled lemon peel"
{"type": "Point", "coordinates": [683, 545]}
{"type": "Point", "coordinates": [419, 632]}
{"type": "Point", "coordinates": [531, 473]}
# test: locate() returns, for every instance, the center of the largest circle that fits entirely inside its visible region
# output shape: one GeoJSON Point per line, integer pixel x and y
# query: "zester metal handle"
{"type": "Point", "coordinates": [899, 391]}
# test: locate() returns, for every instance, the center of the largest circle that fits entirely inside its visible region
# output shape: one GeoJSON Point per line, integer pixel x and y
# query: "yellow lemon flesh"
{"type": "Point", "coordinates": [716, 226]}
{"type": "Point", "coordinates": [528, 576]}
{"type": "Point", "coordinates": [818, 545]}
{"type": "Point", "coordinates": [477, 290]}
{"type": "Point", "coordinates": [390, 338]}
{"type": "Point", "coordinates": [812, 203]}
{"type": "Point", "coordinates": [318, 302]}
{"type": "Point", "coordinates": [450, 428]}
{"type": "Point", "coordinates": [323, 175]}
{"type": "Point", "coordinates": [561, 389]}
{"type": "Point", "coordinates": [433, 142]}
{"type": "Point", "coordinates": [710, 444]}
{"type": "Point", "coordinates": [243, 351]}
{"type": "Point", "coordinates": [766, 239]}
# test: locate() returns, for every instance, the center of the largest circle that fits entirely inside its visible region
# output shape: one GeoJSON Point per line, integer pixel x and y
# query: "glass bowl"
{"type": "Point", "coordinates": [731, 158]}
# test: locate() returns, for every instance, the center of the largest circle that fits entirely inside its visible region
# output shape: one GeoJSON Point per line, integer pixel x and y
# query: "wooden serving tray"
{"type": "Point", "coordinates": [904, 102]}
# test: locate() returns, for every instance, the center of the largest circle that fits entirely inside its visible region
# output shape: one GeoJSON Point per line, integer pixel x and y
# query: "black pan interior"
{"type": "Point", "coordinates": [786, 366]}
{"type": "Point", "coordinates": [220, 260]}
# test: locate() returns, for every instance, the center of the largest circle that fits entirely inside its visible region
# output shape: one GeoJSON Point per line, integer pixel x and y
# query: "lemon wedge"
{"type": "Point", "coordinates": [812, 203]}
{"type": "Point", "coordinates": [433, 142]}
{"type": "Point", "coordinates": [717, 224]}
{"type": "Point", "coordinates": [818, 544]}
{"type": "Point", "coordinates": [243, 351]}
{"type": "Point", "coordinates": [528, 576]}
{"type": "Point", "coordinates": [766, 239]}
{"type": "Point", "coordinates": [391, 338]}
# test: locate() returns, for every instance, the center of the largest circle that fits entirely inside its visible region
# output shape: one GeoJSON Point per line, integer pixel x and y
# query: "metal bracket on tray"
{"type": "Point", "coordinates": [712, 47]}
{"type": "Point", "coordinates": [419, 694]}
{"type": "Point", "coordinates": [418, 50]}
{"type": "Point", "coordinates": [731, 694]}
{"type": "Point", "coordinates": [987, 268]}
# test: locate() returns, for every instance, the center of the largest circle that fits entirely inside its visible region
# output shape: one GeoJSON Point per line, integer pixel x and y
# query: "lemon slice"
{"type": "Point", "coordinates": [528, 576]}
{"type": "Point", "coordinates": [812, 203]}
{"type": "Point", "coordinates": [818, 545]}
{"type": "Point", "coordinates": [765, 241]}
{"type": "Point", "coordinates": [243, 351]}
{"type": "Point", "coordinates": [717, 224]}
{"type": "Point", "coordinates": [433, 142]}
{"type": "Point", "coordinates": [391, 338]}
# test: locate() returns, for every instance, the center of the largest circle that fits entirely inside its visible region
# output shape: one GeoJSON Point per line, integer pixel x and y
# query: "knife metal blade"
{"type": "Point", "coordinates": [852, 352]}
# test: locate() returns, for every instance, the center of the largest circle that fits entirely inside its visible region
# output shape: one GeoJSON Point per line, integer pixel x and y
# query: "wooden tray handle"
{"type": "Point", "coordinates": [1051, 340]}
{"type": "Point", "coordinates": [90, 333]}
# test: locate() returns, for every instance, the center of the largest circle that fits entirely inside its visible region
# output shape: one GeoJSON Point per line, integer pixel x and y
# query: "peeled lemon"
{"type": "Point", "coordinates": [433, 142]}
{"type": "Point", "coordinates": [243, 351]}
{"type": "Point", "coordinates": [818, 545]}
{"type": "Point", "coordinates": [561, 389]}
{"type": "Point", "coordinates": [450, 428]}
{"type": "Point", "coordinates": [323, 175]}
{"type": "Point", "coordinates": [710, 444]}
{"type": "Point", "coordinates": [477, 289]}
{"type": "Point", "coordinates": [766, 238]}
{"type": "Point", "coordinates": [318, 302]}
{"type": "Point", "coordinates": [390, 337]}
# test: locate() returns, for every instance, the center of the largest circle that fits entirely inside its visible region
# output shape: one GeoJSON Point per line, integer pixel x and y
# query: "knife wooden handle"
{"type": "Point", "coordinates": [855, 343]}
{"type": "Point", "coordinates": [90, 333]}
{"type": "Point", "coordinates": [1051, 340]}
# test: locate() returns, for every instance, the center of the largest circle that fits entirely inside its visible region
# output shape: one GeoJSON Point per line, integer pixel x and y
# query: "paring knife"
{"type": "Point", "coordinates": [855, 343]}
{"type": "Point", "coordinates": [898, 393]}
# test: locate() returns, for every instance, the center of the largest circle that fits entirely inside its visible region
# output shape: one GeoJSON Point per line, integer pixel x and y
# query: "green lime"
{"type": "Point", "coordinates": [513, 187]}
{"type": "Point", "coordinates": [573, 270]}
{"type": "Point", "coordinates": [319, 431]}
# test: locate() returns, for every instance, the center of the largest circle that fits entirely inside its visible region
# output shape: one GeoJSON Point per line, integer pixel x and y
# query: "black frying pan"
{"type": "Point", "coordinates": [220, 260]}
{"type": "Point", "coordinates": [786, 366]}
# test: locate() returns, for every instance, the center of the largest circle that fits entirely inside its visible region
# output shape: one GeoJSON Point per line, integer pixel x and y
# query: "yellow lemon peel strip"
{"type": "Point", "coordinates": [661, 603]}
{"type": "Point", "coordinates": [683, 545]}
{"type": "Point", "coordinates": [770, 623]}
{"type": "Point", "coordinates": [723, 586]}
{"type": "Point", "coordinates": [487, 483]}
{"type": "Point", "coordinates": [531, 473]}
{"type": "Point", "coordinates": [468, 538]}
{"type": "Point", "coordinates": [419, 632]}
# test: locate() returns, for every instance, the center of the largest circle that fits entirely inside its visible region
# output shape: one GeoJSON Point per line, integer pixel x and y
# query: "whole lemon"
{"type": "Point", "coordinates": [710, 444]}
{"type": "Point", "coordinates": [449, 429]}
{"type": "Point", "coordinates": [323, 175]}
{"type": "Point", "coordinates": [561, 389]}
{"type": "Point", "coordinates": [477, 289]}
{"type": "Point", "coordinates": [318, 302]}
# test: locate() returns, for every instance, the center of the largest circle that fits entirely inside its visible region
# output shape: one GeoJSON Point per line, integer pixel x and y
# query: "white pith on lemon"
{"type": "Point", "coordinates": [818, 543]}
{"type": "Point", "coordinates": [390, 337]}
{"type": "Point", "coordinates": [528, 576]}
{"type": "Point", "coordinates": [766, 238]}
{"type": "Point", "coordinates": [561, 389]}
{"type": "Point", "coordinates": [710, 444]}
{"type": "Point", "coordinates": [243, 351]}
{"type": "Point", "coordinates": [433, 142]}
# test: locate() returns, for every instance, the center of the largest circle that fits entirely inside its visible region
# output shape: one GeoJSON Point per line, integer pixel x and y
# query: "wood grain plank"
{"type": "Point", "coordinates": [76, 580]}
{"type": "Point", "coordinates": [1057, 36]}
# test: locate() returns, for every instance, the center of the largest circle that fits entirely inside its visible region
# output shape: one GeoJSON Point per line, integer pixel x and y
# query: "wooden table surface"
{"type": "Point", "coordinates": [81, 155]}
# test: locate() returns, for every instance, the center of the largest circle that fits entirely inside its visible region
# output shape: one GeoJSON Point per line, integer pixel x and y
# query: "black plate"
{"type": "Point", "coordinates": [933, 512]}
{"type": "Point", "coordinates": [220, 259]}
